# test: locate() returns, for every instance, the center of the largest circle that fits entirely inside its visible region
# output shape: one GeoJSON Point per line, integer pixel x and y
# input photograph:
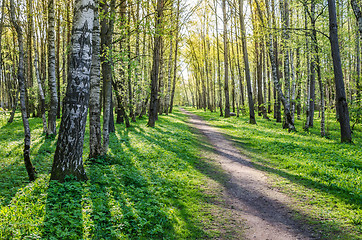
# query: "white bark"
{"type": "Point", "coordinates": [52, 115]}
{"type": "Point", "coordinates": [68, 158]}
{"type": "Point", "coordinates": [95, 136]}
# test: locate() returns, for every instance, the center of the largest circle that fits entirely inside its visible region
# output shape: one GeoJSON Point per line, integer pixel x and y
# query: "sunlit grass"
{"type": "Point", "coordinates": [147, 188]}
{"type": "Point", "coordinates": [322, 171]}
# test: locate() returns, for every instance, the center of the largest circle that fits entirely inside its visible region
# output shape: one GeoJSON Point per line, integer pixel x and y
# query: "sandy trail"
{"type": "Point", "coordinates": [264, 209]}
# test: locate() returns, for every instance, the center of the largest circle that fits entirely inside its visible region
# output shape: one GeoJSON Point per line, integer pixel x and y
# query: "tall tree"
{"type": "Point", "coordinates": [342, 107]}
{"type": "Point", "coordinates": [52, 114]}
{"type": "Point", "coordinates": [107, 27]}
{"type": "Point", "coordinates": [218, 59]}
{"type": "Point", "coordinates": [226, 61]}
{"type": "Point", "coordinates": [246, 64]}
{"type": "Point", "coordinates": [358, 14]}
{"type": "Point", "coordinates": [95, 136]}
{"type": "Point", "coordinates": [289, 122]}
{"type": "Point", "coordinates": [152, 114]}
{"type": "Point", "coordinates": [68, 154]}
{"type": "Point", "coordinates": [27, 137]}
{"type": "Point", "coordinates": [40, 86]}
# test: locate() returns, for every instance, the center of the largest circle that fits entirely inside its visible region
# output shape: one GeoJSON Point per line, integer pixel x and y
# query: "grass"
{"type": "Point", "coordinates": [150, 186]}
{"type": "Point", "coordinates": [323, 175]}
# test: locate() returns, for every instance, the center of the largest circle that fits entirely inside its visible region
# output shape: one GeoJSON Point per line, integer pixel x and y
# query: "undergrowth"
{"type": "Point", "coordinates": [324, 175]}
{"type": "Point", "coordinates": [147, 187]}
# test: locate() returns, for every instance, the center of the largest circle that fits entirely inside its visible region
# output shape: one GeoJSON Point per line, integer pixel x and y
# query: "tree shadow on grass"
{"type": "Point", "coordinates": [124, 206]}
{"type": "Point", "coordinates": [13, 176]}
{"type": "Point", "coordinates": [145, 193]}
{"type": "Point", "coordinates": [338, 191]}
{"type": "Point", "coordinates": [63, 214]}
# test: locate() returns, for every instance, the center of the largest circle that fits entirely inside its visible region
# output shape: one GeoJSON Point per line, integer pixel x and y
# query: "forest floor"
{"type": "Point", "coordinates": [186, 180]}
{"type": "Point", "coordinates": [268, 213]}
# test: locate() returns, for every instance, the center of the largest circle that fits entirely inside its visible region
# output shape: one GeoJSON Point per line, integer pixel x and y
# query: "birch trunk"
{"type": "Point", "coordinates": [27, 137]}
{"type": "Point", "coordinates": [226, 62]}
{"type": "Point", "coordinates": [285, 26]}
{"type": "Point", "coordinates": [106, 33]}
{"type": "Point", "coordinates": [40, 87]}
{"type": "Point", "coordinates": [286, 104]}
{"type": "Point", "coordinates": [246, 63]}
{"type": "Point", "coordinates": [168, 92]}
{"type": "Point", "coordinates": [218, 61]}
{"type": "Point", "coordinates": [68, 159]}
{"type": "Point", "coordinates": [95, 135]}
{"type": "Point", "coordinates": [358, 14]}
{"type": "Point", "coordinates": [176, 55]}
{"type": "Point", "coordinates": [52, 114]}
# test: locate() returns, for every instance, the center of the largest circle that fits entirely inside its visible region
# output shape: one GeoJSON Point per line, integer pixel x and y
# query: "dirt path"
{"type": "Point", "coordinates": [264, 209]}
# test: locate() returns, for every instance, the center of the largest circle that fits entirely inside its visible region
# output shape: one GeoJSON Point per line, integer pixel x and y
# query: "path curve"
{"type": "Point", "coordinates": [264, 209]}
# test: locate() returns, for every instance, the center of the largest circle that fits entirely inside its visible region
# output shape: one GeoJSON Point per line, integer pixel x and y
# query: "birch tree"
{"type": "Point", "coordinates": [95, 136]}
{"type": "Point", "coordinates": [68, 154]}
{"type": "Point", "coordinates": [27, 137]}
{"type": "Point", "coordinates": [226, 63]}
{"type": "Point", "coordinates": [52, 114]}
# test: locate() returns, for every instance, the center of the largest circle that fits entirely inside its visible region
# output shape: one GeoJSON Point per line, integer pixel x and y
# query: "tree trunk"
{"type": "Point", "coordinates": [226, 63]}
{"type": "Point", "coordinates": [285, 42]}
{"type": "Point", "coordinates": [168, 92]}
{"type": "Point", "coordinates": [358, 67]}
{"type": "Point", "coordinates": [358, 14]}
{"type": "Point", "coordinates": [27, 137]}
{"type": "Point", "coordinates": [342, 106]}
{"type": "Point", "coordinates": [152, 115]}
{"type": "Point", "coordinates": [41, 92]}
{"type": "Point", "coordinates": [68, 154]}
{"type": "Point", "coordinates": [218, 61]}
{"type": "Point", "coordinates": [246, 63]}
{"type": "Point", "coordinates": [242, 101]}
{"type": "Point", "coordinates": [129, 66]}
{"type": "Point", "coordinates": [107, 23]}
{"type": "Point", "coordinates": [52, 114]}
{"type": "Point", "coordinates": [299, 91]}
{"type": "Point", "coordinates": [286, 105]}
{"type": "Point", "coordinates": [57, 60]}
{"type": "Point", "coordinates": [95, 135]}
{"type": "Point", "coordinates": [176, 55]}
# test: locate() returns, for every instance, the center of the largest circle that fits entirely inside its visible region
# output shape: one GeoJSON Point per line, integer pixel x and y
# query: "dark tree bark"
{"type": "Point", "coordinates": [152, 114]}
{"type": "Point", "coordinates": [27, 137]}
{"type": "Point", "coordinates": [68, 159]}
{"type": "Point", "coordinates": [342, 106]}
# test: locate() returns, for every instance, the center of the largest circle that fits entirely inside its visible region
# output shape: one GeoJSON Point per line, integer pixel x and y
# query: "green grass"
{"type": "Point", "coordinates": [324, 175]}
{"type": "Point", "coordinates": [148, 187]}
